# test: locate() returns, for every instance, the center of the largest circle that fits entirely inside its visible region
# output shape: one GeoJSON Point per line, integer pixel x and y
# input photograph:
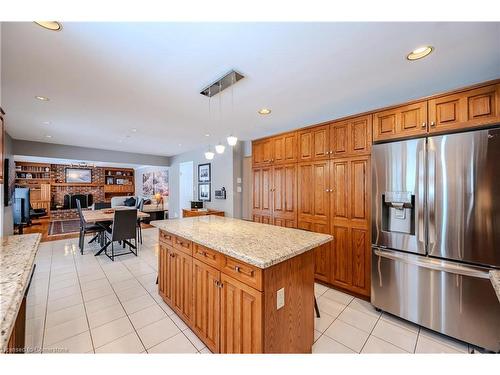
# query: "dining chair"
{"type": "Point", "coordinates": [124, 230]}
{"type": "Point", "coordinates": [140, 208]}
{"type": "Point", "coordinates": [86, 228]}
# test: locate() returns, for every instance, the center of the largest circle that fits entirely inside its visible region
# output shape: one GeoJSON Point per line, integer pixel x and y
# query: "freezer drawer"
{"type": "Point", "coordinates": [447, 297]}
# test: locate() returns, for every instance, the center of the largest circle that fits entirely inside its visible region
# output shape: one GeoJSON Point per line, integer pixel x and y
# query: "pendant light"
{"type": "Point", "coordinates": [209, 155]}
{"type": "Point", "coordinates": [220, 148]}
{"type": "Point", "coordinates": [232, 140]}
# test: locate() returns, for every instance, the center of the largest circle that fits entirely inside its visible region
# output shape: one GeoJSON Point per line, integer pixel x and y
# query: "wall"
{"type": "Point", "coordinates": [223, 168]}
{"type": "Point", "coordinates": [52, 150]}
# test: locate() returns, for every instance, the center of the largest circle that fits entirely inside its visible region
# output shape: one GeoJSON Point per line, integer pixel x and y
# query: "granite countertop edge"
{"type": "Point", "coordinates": [239, 255]}
{"type": "Point", "coordinates": [10, 314]}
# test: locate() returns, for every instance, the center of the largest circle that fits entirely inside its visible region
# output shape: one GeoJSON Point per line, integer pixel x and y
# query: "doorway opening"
{"type": "Point", "coordinates": [185, 185]}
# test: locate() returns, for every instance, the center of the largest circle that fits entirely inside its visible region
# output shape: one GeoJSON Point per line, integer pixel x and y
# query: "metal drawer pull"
{"type": "Point", "coordinates": [237, 268]}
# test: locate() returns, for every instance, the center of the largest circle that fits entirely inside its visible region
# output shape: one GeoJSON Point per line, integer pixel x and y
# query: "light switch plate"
{"type": "Point", "coordinates": [238, 189]}
{"type": "Point", "coordinates": [238, 180]}
{"type": "Point", "coordinates": [280, 298]}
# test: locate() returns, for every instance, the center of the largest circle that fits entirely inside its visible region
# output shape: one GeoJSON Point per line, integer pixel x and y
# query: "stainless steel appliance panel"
{"type": "Point", "coordinates": [448, 297]}
{"type": "Point", "coordinates": [464, 197]}
{"type": "Point", "coordinates": [398, 195]}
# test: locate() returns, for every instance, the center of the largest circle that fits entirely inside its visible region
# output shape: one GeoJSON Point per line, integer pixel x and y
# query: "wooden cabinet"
{"type": "Point", "coordinates": [313, 192]}
{"type": "Point", "coordinates": [314, 143]}
{"type": "Point", "coordinates": [181, 283]}
{"type": "Point", "coordinates": [478, 107]}
{"type": "Point", "coordinates": [241, 317]}
{"type": "Point", "coordinates": [284, 148]}
{"type": "Point", "coordinates": [262, 152]}
{"type": "Point", "coordinates": [350, 223]}
{"type": "Point", "coordinates": [231, 305]}
{"type": "Point", "coordinates": [275, 195]}
{"type": "Point", "coordinates": [322, 254]}
{"type": "Point", "coordinates": [351, 137]}
{"type": "Point", "coordinates": [206, 306]}
{"type": "Point", "coordinates": [405, 121]}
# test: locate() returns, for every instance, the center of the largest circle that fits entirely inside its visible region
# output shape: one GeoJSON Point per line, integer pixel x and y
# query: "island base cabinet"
{"type": "Point", "coordinates": [15, 345]}
{"type": "Point", "coordinates": [241, 317]}
{"type": "Point", "coordinates": [206, 317]}
{"type": "Point", "coordinates": [182, 281]}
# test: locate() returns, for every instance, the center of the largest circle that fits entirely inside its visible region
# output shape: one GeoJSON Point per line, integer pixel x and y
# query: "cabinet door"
{"type": "Point", "coordinates": [182, 284]}
{"type": "Point", "coordinates": [285, 192]}
{"type": "Point", "coordinates": [339, 184]}
{"type": "Point", "coordinates": [262, 152]}
{"type": "Point", "coordinates": [165, 273]}
{"type": "Point", "coordinates": [241, 317]}
{"type": "Point", "coordinates": [321, 141]}
{"type": "Point", "coordinates": [206, 306]}
{"type": "Point", "coordinates": [306, 145]}
{"type": "Point", "coordinates": [360, 260]}
{"type": "Point", "coordinates": [463, 110]}
{"type": "Point", "coordinates": [283, 222]}
{"type": "Point", "coordinates": [313, 195]}
{"type": "Point", "coordinates": [322, 254]}
{"type": "Point", "coordinates": [339, 139]}
{"type": "Point", "coordinates": [360, 135]}
{"type": "Point", "coordinates": [285, 148]}
{"type": "Point", "coordinates": [256, 189]}
{"type": "Point", "coordinates": [359, 191]}
{"type": "Point", "coordinates": [405, 121]}
{"type": "Point", "coordinates": [341, 262]}
{"type": "Point", "coordinates": [267, 194]}
{"type": "Point", "coordinates": [257, 155]}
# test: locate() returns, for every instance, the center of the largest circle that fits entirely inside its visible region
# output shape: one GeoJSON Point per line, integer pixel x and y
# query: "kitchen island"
{"type": "Point", "coordinates": [242, 287]}
{"type": "Point", "coordinates": [17, 262]}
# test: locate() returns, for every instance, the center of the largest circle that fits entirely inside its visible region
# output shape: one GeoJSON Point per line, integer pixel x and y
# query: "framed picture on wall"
{"type": "Point", "coordinates": [204, 192]}
{"type": "Point", "coordinates": [204, 172]}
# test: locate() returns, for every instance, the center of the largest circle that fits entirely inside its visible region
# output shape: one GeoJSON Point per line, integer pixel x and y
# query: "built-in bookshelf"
{"type": "Point", "coordinates": [32, 174]}
{"type": "Point", "coordinates": [118, 181]}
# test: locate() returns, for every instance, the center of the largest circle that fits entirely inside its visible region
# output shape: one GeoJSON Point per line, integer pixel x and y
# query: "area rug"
{"type": "Point", "coordinates": [64, 227]}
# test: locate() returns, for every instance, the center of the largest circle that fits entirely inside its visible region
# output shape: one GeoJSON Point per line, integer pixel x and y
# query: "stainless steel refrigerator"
{"type": "Point", "coordinates": [436, 233]}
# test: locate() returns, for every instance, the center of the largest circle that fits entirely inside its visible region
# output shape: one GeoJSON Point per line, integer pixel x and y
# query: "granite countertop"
{"type": "Point", "coordinates": [258, 244]}
{"type": "Point", "coordinates": [17, 257]}
{"type": "Point", "coordinates": [495, 281]}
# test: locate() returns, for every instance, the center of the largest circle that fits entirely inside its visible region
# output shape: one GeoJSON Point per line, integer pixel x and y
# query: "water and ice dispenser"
{"type": "Point", "coordinates": [398, 212]}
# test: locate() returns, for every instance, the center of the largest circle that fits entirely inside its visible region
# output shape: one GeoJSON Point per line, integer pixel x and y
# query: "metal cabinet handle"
{"type": "Point", "coordinates": [423, 125]}
{"type": "Point", "coordinates": [237, 268]}
{"type": "Point", "coordinates": [433, 123]}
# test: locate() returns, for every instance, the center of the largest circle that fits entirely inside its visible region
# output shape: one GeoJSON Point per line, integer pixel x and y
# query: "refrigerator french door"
{"type": "Point", "coordinates": [436, 233]}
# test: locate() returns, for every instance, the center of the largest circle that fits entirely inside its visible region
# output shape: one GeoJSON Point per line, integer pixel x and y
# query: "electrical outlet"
{"type": "Point", "coordinates": [280, 298]}
{"type": "Point", "coordinates": [238, 189]}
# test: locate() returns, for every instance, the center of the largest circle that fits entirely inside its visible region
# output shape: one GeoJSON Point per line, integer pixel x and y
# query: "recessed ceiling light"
{"type": "Point", "coordinates": [419, 53]}
{"type": "Point", "coordinates": [134, 130]}
{"type": "Point", "coordinates": [42, 98]}
{"type": "Point", "coordinates": [207, 135]}
{"type": "Point", "coordinates": [49, 25]}
{"type": "Point", "coordinates": [46, 122]}
{"type": "Point", "coordinates": [48, 136]}
{"type": "Point", "coordinates": [264, 111]}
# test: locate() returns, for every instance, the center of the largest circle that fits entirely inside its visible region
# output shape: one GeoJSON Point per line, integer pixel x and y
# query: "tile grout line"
{"type": "Point", "coordinates": [416, 341]}
{"type": "Point", "coordinates": [47, 301]}
{"type": "Point", "coordinates": [121, 304]}
{"type": "Point", "coordinates": [370, 334]}
{"type": "Point", "coordinates": [83, 300]}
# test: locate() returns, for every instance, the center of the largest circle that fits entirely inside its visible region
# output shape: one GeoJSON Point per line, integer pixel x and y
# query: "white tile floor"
{"type": "Point", "coordinates": [86, 304]}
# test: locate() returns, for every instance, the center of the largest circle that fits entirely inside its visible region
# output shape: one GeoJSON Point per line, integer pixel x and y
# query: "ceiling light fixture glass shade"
{"type": "Point", "coordinates": [264, 111]}
{"type": "Point", "coordinates": [419, 53]}
{"type": "Point", "coordinates": [49, 25]}
{"type": "Point", "coordinates": [42, 98]}
{"type": "Point", "coordinates": [232, 140]}
{"type": "Point", "coordinates": [209, 155]}
{"type": "Point", "coordinates": [220, 148]}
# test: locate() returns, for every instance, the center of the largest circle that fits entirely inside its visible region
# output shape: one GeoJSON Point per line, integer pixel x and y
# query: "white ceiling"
{"type": "Point", "coordinates": [104, 79]}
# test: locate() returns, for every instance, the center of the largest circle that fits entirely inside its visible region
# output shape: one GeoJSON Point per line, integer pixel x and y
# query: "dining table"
{"type": "Point", "coordinates": [104, 217]}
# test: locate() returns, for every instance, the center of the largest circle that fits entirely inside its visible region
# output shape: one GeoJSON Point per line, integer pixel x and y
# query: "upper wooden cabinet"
{"type": "Point", "coordinates": [405, 121]}
{"type": "Point", "coordinates": [285, 148]}
{"type": "Point", "coordinates": [314, 143]}
{"type": "Point", "coordinates": [471, 108]}
{"type": "Point", "coordinates": [275, 150]}
{"type": "Point", "coordinates": [351, 137]}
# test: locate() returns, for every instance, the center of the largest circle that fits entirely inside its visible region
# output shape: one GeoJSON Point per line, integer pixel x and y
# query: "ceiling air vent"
{"type": "Point", "coordinates": [222, 83]}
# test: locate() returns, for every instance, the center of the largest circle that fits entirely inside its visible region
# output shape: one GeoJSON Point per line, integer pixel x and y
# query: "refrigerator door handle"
{"type": "Point", "coordinates": [431, 191]}
{"type": "Point", "coordinates": [421, 234]}
{"type": "Point", "coordinates": [434, 264]}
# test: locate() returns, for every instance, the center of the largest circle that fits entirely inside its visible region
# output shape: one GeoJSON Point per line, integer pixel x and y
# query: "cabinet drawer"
{"type": "Point", "coordinates": [208, 256]}
{"type": "Point", "coordinates": [250, 275]}
{"type": "Point", "coordinates": [183, 245]}
{"type": "Point", "coordinates": [166, 238]}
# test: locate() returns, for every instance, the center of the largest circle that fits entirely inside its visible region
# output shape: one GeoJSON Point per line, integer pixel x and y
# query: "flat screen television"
{"type": "Point", "coordinates": [78, 175]}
